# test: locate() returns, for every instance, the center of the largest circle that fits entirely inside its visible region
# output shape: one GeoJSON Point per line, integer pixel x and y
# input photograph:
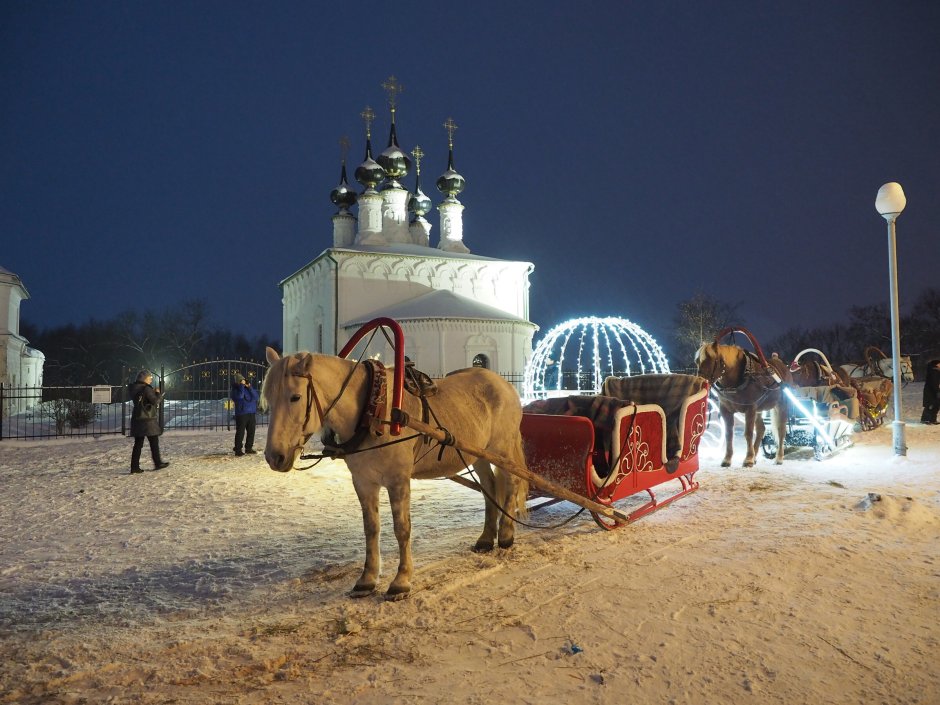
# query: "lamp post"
{"type": "Point", "coordinates": [890, 201]}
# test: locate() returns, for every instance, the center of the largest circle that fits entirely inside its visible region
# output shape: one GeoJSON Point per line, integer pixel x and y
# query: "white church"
{"type": "Point", "coordinates": [20, 365]}
{"type": "Point", "coordinates": [457, 309]}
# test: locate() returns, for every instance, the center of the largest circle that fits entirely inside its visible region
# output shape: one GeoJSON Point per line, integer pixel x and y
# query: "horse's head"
{"type": "Point", "coordinates": [714, 360]}
{"type": "Point", "coordinates": [907, 369]}
{"type": "Point", "coordinates": [288, 394]}
{"type": "Point", "coordinates": [885, 368]}
{"type": "Point", "coordinates": [708, 361]}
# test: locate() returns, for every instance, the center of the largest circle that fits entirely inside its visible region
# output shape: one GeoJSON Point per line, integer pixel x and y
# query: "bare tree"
{"type": "Point", "coordinates": [699, 320]}
{"type": "Point", "coordinates": [184, 330]}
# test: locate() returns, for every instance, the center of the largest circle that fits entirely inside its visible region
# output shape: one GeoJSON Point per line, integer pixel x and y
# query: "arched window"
{"type": "Point", "coordinates": [481, 360]}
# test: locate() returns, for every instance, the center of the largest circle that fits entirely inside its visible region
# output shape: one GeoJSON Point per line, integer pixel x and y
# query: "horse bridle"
{"type": "Point", "coordinates": [720, 364]}
{"type": "Point", "coordinates": [312, 398]}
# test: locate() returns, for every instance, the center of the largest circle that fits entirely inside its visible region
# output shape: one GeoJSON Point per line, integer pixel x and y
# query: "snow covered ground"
{"type": "Point", "coordinates": [218, 580]}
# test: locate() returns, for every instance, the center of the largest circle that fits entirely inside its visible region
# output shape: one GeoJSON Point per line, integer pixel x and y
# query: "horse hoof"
{"type": "Point", "coordinates": [482, 547]}
{"type": "Point", "coordinates": [395, 595]}
{"type": "Point", "coordinates": [507, 544]}
{"type": "Point", "coordinates": [778, 462]}
{"type": "Point", "coordinates": [749, 465]}
{"type": "Point", "coordinates": [726, 463]}
{"type": "Point", "coordinates": [362, 591]}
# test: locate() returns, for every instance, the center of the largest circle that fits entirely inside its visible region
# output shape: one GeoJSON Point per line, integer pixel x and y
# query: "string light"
{"type": "Point", "coordinates": [591, 349]}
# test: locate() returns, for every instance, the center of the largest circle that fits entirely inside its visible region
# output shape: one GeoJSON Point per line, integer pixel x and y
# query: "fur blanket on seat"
{"type": "Point", "coordinates": [669, 391]}
{"type": "Point", "coordinates": [599, 409]}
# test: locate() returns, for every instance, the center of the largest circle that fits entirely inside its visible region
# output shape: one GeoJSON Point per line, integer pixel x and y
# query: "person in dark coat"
{"type": "Point", "coordinates": [245, 399]}
{"type": "Point", "coordinates": [931, 393]}
{"type": "Point", "coordinates": [145, 420]}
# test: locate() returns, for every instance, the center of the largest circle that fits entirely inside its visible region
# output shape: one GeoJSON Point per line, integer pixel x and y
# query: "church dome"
{"type": "Point", "coordinates": [369, 173]}
{"type": "Point", "coordinates": [395, 162]}
{"type": "Point", "coordinates": [343, 196]}
{"type": "Point", "coordinates": [450, 183]}
{"type": "Point", "coordinates": [419, 203]}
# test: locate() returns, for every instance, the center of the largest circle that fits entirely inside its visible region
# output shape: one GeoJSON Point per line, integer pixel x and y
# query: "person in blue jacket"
{"type": "Point", "coordinates": [245, 400]}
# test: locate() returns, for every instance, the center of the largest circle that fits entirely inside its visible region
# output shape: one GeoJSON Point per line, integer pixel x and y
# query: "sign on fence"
{"type": "Point", "coordinates": [101, 395]}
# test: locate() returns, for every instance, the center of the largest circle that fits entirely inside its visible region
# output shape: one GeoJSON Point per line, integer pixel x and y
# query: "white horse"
{"type": "Point", "coordinates": [877, 364]}
{"type": "Point", "coordinates": [309, 393]}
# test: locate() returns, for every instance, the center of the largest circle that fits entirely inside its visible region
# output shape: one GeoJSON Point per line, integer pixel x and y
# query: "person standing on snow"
{"type": "Point", "coordinates": [145, 420]}
{"type": "Point", "coordinates": [245, 400]}
{"type": "Point", "coordinates": [931, 393]}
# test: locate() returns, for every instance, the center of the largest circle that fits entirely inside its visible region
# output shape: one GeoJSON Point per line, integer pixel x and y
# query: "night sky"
{"type": "Point", "coordinates": [636, 153]}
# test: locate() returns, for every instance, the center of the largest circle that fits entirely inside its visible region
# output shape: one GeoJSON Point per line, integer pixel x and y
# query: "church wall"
{"type": "Point", "coordinates": [9, 311]}
{"type": "Point", "coordinates": [308, 310]}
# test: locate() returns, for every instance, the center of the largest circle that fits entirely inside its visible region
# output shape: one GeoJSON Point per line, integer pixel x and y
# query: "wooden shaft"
{"type": "Point", "coordinates": [460, 480]}
{"type": "Point", "coordinates": [510, 467]}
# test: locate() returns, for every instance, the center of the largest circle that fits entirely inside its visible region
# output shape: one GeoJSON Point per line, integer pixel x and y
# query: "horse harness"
{"type": "Point", "coordinates": [374, 414]}
{"type": "Point", "coordinates": [755, 373]}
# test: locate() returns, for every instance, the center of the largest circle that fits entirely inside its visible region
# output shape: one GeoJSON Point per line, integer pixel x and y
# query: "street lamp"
{"type": "Point", "coordinates": [890, 201]}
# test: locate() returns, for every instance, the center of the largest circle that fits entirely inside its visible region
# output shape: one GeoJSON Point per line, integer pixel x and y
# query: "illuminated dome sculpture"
{"type": "Point", "coordinates": [575, 357]}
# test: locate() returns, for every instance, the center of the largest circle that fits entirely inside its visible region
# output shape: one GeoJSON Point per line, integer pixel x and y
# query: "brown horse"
{"type": "Point", "coordinates": [744, 386]}
{"type": "Point", "coordinates": [310, 393]}
{"type": "Point", "coordinates": [817, 373]}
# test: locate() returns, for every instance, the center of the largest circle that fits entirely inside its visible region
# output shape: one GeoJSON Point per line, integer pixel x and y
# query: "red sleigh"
{"type": "Point", "coordinates": [649, 437]}
{"type": "Point", "coordinates": [653, 439]}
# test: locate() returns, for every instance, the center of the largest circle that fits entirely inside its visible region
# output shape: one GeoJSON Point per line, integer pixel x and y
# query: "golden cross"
{"type": "Point", "coordinates": [368, 116]}
{"type": "Point", "coordinates": [393, 89]}
{"type": "Point", "coordinates": [417, 153]}
{"type": "Point", "coordinates": [451, 127]}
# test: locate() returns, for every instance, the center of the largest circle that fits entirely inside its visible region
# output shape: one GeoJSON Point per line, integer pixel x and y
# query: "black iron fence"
{"type": "Point", "coordinates": [52, 412]}
{"type": "Point", "coordinates": [197, 397]}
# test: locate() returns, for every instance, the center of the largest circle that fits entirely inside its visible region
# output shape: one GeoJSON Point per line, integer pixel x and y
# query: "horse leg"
{"type": "Point", "coordinates": [780, 425]}
{"type": "Point", "coordinates": [505, 490]}
{"type": "Point", "coordinates": [484, 473]}
{"type": "Point", "coordinates": [368, 494]}
{"type": "Point", "coordinates": [760, 428]}
{"type": "Point", "coordinates": [727, 417]}
{"type": "Point", "coordinates": [399, 496]}
{"type": "Point", "coordinates": [750, 418]}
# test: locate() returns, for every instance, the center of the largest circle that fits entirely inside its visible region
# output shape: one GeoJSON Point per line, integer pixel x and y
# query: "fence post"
{"type": "Point", "coordinates": [124, 405]}
{"type": "Point", "coordinates": [1, 410]}
{"type": "Point", "coordinates": [228, 381]}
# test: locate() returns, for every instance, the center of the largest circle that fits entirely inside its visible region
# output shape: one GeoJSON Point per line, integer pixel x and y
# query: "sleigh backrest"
{"type": "Point", "coordinates": [682, 398]}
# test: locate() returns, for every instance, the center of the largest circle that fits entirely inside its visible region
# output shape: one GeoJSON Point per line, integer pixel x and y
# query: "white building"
{"type": "Point", "coordinates": [20, 365]}
{"type": "Point", "coordinates": [456, 308]}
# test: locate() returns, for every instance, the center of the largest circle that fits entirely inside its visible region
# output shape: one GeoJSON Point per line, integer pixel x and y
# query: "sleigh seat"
{"type": "Point", "coordinates": [608, 448]}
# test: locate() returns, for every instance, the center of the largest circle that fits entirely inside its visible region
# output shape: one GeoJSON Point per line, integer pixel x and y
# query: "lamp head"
{"type": "Point", "coordinates": [890, 200]}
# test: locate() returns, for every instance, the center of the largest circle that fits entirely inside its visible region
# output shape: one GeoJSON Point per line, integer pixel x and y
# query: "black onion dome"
{"type": "Point", "coordinates": [395, 162]}
{"type": "Point", "coordinates": [369, 173]}
{"type": "Point", "coordinates": [343, 196]}
{"type": "Point", "coordinates": [419, 203]}
{"type": "Point", "coordinates": [450, 182]}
